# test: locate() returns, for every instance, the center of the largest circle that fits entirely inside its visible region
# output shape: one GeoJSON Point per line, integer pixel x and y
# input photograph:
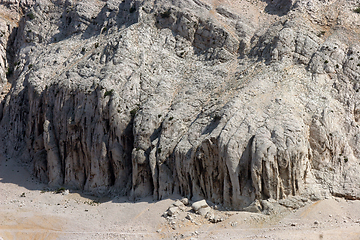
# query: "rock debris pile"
{"type": "Point", "coordinates": [181, 212]}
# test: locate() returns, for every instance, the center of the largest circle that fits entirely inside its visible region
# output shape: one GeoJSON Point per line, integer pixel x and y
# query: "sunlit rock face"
{"type": "Point", "coordinates": [232, 102]}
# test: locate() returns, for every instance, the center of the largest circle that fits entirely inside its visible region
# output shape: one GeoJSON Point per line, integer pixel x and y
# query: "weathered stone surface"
{"type": "Point", "coordinates": [233, 103]}
{"type": "Point", "coordinates": [254, 207]}
{"type": "Point", "coordinates": [204, 211]}
{"type": "Point", "coordinates": [185, 201]}
{"type": "Point", "coordinates": [172, 211]}
{"type": "Point", "coordinates": [199, 205]}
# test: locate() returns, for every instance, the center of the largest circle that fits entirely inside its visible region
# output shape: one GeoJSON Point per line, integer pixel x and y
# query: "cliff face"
{"type": "Point", "coordinates": [234, 102]}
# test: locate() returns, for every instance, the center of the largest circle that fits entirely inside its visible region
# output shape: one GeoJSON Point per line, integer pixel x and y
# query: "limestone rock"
{"type": "Point", "coordinates": [234, 103]}
{"type": "Point", "coordinates": [254, 207]}
{"type": "Point", "coordinates": [204, 211]}
{"type": "Point", "coordinates": [217, 219]}
{"type": "Point", "coordinates": [185, 201]}
{"type": "Point", "coordinates": [196, 206]}
{"type": "Point", "coordinates": [172, 211]}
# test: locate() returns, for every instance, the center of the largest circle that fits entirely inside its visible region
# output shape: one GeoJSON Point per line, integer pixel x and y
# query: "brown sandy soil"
{"type": "Point", "coordinates": [28, 210]}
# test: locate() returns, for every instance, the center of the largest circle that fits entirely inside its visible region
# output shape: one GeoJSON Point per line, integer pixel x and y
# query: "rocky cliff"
{"type": "Point", "coordinates": [232, 101]}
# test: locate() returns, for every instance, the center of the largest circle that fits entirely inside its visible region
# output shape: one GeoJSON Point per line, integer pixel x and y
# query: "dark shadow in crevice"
{"type": "Point", "coordinates": [278, 7]}
{"type": "Point", "coordinates": [212, 125]}
{"type": "Point", "coordinates": [71, 23]}
{"type": "Point", "coordinates": [127, 15]}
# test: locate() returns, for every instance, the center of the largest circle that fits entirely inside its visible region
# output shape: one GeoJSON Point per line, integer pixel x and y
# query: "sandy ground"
{"type": "Point", "coordinates": [29, 210]}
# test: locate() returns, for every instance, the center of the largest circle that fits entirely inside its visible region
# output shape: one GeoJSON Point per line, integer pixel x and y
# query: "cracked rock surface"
{"type": "Point", "coordinates": [237, 102]}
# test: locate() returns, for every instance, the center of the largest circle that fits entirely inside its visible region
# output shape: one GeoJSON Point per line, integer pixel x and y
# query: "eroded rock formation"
{"type": "Point", "coordinates": [234, 102]}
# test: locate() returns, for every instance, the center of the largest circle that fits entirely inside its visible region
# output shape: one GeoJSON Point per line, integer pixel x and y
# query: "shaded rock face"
{"type": "Point", "coordinates": [232, 104]}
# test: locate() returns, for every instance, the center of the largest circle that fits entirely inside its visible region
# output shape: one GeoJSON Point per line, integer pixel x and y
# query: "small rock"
{"type": "Point", "coordinates": [293, 224]}
{"type": "Point", "coordinates": [316, 222]}
{"type": "Point", "coordinates": [233, 224]}
{"type": "Point", "coordinates": [210, 215]}
{"type": "Point", "coordinates": [172, 211]}
{"type": "Point", "coordinates": [199, 204]}
{"type": "Point", "coordinates": [66, 192]}
{"type": "Point", "coordinates": [216, 219]}
{"type": "Point", "coordinates": [267, 206]}
{"type": "Point", "coordinates": [185, 201]}
{"type": "Point", "coordinates": [180, 205]}
{"type": "Point", "coordinates": [254, 207]}
{"type": "Point", "coordinates": [204, 211]}
{"type": "Point", "coordinates": [22, 195]}
{"type": "Point", "coordinates": [189, 217]}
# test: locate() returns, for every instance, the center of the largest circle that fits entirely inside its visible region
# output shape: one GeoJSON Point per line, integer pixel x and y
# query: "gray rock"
{"type": "Point", "coordinates": [293, 202]}
{"type": "Point", "coordinates": [210, 215]}
{"type": "Point", "coordinates": [172, 211]}
{"type": "Point", "coordinates": [217, 219]}
{"type": "Point", "coordinates": [229, 109]}
{"type": "Point", "coordinates": [179, 204]}
{"type": "Point", "coordinates": [185, 201]}
{"type": "Point", "coordinates": [66, 192]}
{"type": "Point", "coordinates": [196, 206]}
{"type": "Point", "coordinates": [254, 207]}
{"type": "Point", "coordinates": [204, 211]}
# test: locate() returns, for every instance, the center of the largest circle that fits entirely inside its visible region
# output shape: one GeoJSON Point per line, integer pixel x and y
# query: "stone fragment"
{"type": "Point", "coordinates": [233, 224]}
{"type": "Point", "coordinates": [172, 211]}
{"type": "Point", "coordinates": [216, 219]}
{"type": "Point", "coordinates": [66, 192]}
{"type": "Point", "coordinates": [210, 215]}
{"type": "Point", "coordinates": [185, 201]}
{"type": "Point", "coordinates": [189, 217]}
{"type": "Point", "coordinates": [204, 210]}
{"type": "Point", "coordinates": [254, 207]}
{"type": "Point", "coordinates": [199, 204]}
{"type": "Point", "coordinates": [179, 205]}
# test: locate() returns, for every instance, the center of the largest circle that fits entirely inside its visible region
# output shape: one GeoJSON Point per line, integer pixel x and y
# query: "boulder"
{"type": "Point", "coordinates": [196, 206]}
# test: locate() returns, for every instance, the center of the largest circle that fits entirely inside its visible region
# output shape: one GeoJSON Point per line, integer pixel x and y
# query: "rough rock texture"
{"type": "Point", "coordinates": [234, 102]}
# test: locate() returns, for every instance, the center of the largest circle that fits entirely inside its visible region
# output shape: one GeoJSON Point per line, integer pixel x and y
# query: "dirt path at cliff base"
{"type": "Point", "coordinates": [30, 210]}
